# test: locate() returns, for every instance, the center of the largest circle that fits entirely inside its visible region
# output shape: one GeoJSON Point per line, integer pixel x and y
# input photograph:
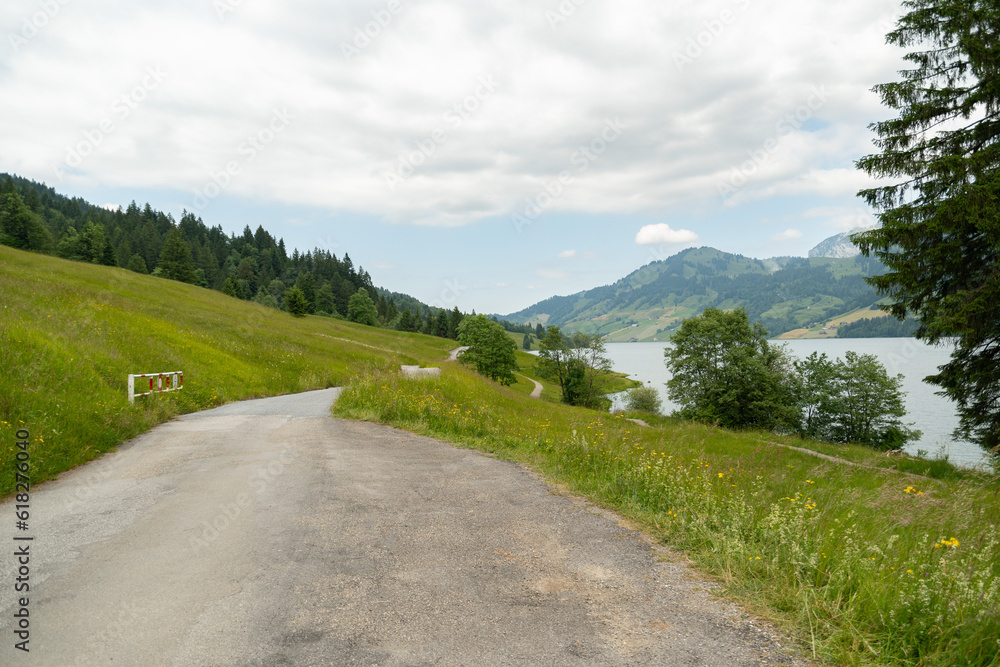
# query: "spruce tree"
{"type": "Point", "coordinates": [137, 264]}
{"type": "Point", "coordinates": [940, 217]}
{"type": "Point", "coordinates": [295, 302]}
{"type": "Point", "coordinates": [175, 259]}
{"type": "Point", "coordinates": [307, 285]}
{"type": "Point", "coordinates": [454, 320]}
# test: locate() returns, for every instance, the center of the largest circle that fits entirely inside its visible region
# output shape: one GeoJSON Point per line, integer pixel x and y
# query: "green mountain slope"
{"type": "Point", "coordinates": [785, 293]}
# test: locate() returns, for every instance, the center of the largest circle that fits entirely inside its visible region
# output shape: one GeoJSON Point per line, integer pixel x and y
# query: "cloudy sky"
{"type": "Point", "coordinates": [481, 154]}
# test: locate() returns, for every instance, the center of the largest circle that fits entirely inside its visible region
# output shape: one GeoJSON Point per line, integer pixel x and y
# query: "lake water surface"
{"type": "Point", "coordinates": [934, 415]}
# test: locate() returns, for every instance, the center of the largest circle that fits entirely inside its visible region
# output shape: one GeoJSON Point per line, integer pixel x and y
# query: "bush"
{"type": "Point", "coordinates": [644, 399]}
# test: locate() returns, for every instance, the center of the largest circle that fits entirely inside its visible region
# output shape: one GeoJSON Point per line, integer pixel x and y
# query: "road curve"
{"type": "Point", "coordinates": [268, 533]}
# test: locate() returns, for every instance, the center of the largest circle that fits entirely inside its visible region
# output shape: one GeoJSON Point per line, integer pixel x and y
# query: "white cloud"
{"type": "Point", "coordinates": [384, 266]}
{"type": "Point", "coordinates": [662, 234]}
{"type": "Point", "coordinates": [551, 274]}
{"type": "Point", "coordinates": [567, 254]}
{"type": "Point", "coordinates": [788, 235]}
{"type": "Point", "coordinates": [843, 218]}
{"type": "Point", "coordinates": [485, 103]}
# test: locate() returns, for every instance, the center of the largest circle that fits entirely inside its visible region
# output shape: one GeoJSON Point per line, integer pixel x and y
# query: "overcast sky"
{"type": "Point", "coordinates": [481, 154]}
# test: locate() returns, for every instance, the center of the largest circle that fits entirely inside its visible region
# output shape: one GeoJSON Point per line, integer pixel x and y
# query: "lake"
{"type": "Point", "coordinates": [934, 415]}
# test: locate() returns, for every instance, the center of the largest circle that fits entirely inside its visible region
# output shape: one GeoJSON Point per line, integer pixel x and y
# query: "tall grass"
{"type": "Point", "coordinates": [70, 333]}
{"type": "Point", "coordinates": [864, 566]}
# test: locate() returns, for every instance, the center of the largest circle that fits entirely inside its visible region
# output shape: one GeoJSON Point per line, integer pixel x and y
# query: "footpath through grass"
{"type": "Point", "coordinates": [70, 333]}
{"type": "Point", "coordinates": [863, 566]}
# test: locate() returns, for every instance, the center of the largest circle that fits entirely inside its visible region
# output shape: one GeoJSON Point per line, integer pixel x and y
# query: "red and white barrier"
{"type": "Point", "coordinates": [172, 381]}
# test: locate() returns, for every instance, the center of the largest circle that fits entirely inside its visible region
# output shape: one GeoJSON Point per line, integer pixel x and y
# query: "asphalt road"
{"type": "Point", "coordinates": [268, 533]}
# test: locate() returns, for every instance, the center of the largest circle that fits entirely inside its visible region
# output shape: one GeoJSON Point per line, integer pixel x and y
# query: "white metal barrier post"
{"type": "Point", "coordinates": [174, 382]}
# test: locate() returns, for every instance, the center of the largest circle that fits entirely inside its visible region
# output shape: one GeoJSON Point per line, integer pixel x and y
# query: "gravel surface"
{"type": "Point", "coordinates": [268, 533]}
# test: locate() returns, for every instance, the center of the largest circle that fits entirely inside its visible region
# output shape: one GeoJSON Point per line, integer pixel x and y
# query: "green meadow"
{"type": "Point", "coordinates": [70, 333]}
{"type": "Point", "coordinates": [885, 562]}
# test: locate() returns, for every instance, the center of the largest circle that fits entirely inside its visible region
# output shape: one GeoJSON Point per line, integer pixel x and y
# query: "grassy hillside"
{"type": "Point", "coordinates": [785, 293]}
{"type": "Point", "coordinates": [71, 332]}
{"type": "Point", "coordinates": [828, 328]}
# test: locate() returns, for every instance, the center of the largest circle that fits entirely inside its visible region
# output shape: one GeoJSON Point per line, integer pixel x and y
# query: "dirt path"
{"type": "Point", "coordinates": [268, 533]}
{"type": "Point", "coordinates": [537, 391]}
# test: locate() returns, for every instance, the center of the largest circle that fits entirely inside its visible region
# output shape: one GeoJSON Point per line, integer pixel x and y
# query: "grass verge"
{"type": "Point", "coordinates": [864, 566]}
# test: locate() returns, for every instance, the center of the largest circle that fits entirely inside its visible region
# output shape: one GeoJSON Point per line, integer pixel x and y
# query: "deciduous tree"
{"type": "Point", "coordinates": [852, 400]}
{"type": "Point", "coordinates": [578, 362]}
{"type": "Point", "coordinates": [361, 308]}
{"type": "Point", "coordinates": [491, 350]}
{"type": "Point", "coordinates": [723, 370]}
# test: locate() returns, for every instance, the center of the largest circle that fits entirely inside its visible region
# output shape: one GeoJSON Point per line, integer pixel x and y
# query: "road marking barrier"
{"type": "Point", "coordinates": [171, 381]}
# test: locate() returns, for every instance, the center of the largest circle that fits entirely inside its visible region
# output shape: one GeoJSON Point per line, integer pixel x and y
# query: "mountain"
{"type": "Point", "coordinates": [785, 293]}
{"type": "Point", "coordinates": [838, 246]}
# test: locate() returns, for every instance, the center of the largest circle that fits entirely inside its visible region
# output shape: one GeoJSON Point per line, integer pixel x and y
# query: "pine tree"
{"type": "Point", "coordinates": [940, 220]}
{"type": "Point", "coordinates": [137, 264]}
{"type": "Point", "coordinates": [175, 259]}
{"type": "Point", "coordinates": [454, 321]}
{"type": "Point", "coordinates": [232, 287]}
{"type": "Point", "coordinates": [308, 287]}
{"type": "Point", "coordinates": [405, 320]}
{"type": "Point", "coordinates": [295, 302]}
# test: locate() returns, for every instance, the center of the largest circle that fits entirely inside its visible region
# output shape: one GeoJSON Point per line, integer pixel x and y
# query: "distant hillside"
{"type": "Point", "coordinates": [785, 293]}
